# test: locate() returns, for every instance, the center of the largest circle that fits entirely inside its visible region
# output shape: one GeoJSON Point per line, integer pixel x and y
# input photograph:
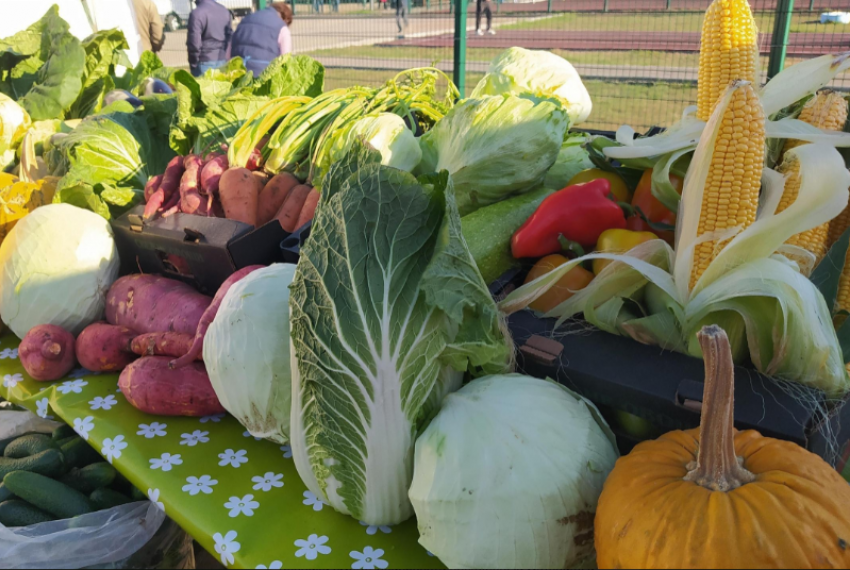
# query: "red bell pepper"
{"type": "Point", "coordinates": [578, 213]}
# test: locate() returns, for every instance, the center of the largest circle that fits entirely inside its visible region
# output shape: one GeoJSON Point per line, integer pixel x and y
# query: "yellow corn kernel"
{"type": "Point", "coordinates": [728, 51]}
{"type": "Point", "coordinates": [827, 111]}
{"type": "Point", "coordinates": [842, 300]}
{"type": "Point", "coordinates": [838, 226]}
{"type": "Point", "coordinates": [731, 193]}
{"type": "Point", "coordinates": [815, 239]}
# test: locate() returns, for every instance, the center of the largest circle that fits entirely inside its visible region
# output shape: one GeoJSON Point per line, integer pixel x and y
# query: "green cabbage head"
{"type": "Point", "coordinates": [14, 123]}
{"type": "Point", "coordinates": [542, 73]}
{"type": "Point", "coordinates": [495, 147]}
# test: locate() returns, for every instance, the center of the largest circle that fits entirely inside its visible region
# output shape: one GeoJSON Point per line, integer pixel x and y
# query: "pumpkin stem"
{"type": "Point", "coordinates": [717, 468]}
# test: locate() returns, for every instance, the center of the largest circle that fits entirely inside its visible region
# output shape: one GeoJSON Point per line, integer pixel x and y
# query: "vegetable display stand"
{"type": "Point", "coordinates": [240, 498]}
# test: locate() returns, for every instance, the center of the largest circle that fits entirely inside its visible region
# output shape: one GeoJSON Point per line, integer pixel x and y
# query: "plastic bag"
{"type": "Point", "coordinates": [137, 535]}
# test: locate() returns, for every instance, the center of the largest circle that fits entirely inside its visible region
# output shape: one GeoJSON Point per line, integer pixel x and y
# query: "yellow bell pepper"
{"type": "Point", "coordinates": [618, 241]}
{"type": "Point", "coordinates": [618, 187]}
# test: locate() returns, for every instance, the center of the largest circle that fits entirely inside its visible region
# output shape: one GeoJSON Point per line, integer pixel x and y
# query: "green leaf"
{"type": "Point", "coordinates": [827, 274]}
{"type": "Point", "coordinates": [83, 196]}
{"type": "Point", "coordinates": [291, 75]}
{"type": "Point", "coordinates": [843, 333]}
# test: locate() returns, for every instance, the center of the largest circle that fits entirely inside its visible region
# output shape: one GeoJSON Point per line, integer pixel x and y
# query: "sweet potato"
{"type": "Point", "coordinates": [47, 352]}
{"type": "Point", "coordinates": [197, 347]}
{"type": "Point", "coordinates": [309, 209]}
{"type": "Point", "coordinates": [239, 193]}
{"type": "Point", "coordinates": [152, 186]}
{"type": "Point", "coordinates": [162, 344]}
{"type": "Point", "coordinates": [148, 304]}
{"type": "Point", "coordinates": [273, 195]}
{"type": "Point", "coordinates": [291, 209]}
{"type": "Point", "coordinates": [164, 195]}
{"type": "Point", "coordinates": [102, 347]}
{"type": "Point", "coordinates": [152, 387]}
{"type": "Point", "coordinates": [191, 201]}
{"type": "Point", "coordinates": [215, 166]}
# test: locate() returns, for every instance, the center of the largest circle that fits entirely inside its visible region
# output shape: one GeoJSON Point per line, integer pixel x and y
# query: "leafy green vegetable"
{"type": "Point", "coordinates": [388, 311]}
{"type": "Point", "coordinates": [572, 159]}
{"type": "Point", "coordinates": [104, 50]}
{"type": "Point", "coordinates": [291, 75]}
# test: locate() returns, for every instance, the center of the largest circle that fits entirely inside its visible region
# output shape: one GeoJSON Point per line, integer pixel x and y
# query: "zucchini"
{"type": "Point", "coordinates": [78, 453]}
{"type": "Point", "coordinates": [29, 445]}
{"type": "Point", "coordinates": [50, 463]}
{"type": "Point", "coordinates": [107, 498]}
{"type": "Point", "coordinates": [5, 494]}
{"type": "Point", "coordinates": [63, 432]}
{"type": "Point", "coordinates": [21, 513]}
{"type": "Point", "coordinates": [90, 478]}
{"type": "Point", "coordinates": [48, 495]}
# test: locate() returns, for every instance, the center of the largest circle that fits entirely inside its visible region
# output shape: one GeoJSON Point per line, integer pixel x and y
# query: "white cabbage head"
{"type": "Point", "coordinates": [56, 266]}
{"type": "Point", "coordinates": [246, 352]}
{"type": "Point", "coordinates": [509, 473]}
{"type": "Point", "coordinates": [14, 123]}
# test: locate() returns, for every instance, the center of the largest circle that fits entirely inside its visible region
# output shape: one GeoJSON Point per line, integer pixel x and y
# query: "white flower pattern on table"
{"type": "Point", "coordinates": [276, 565]}
{"type": "Point", "coordinates": [312, 500]}
{"type": "Point", "coordinates": [214, 419]}
{"type": "Point", "coordinates": [42, 407]}
{"type": "Point", "coordinates": [8, 353]}
{"type": "Point", "coordinates": [166, 461]}
{"type": "Point", "coordinates": [244, 506]}
{"type": "Point", "coordinates": [372, 530]}
{"type": "Point", "coordinates": [152, 430]}
{"type": "Point", "coordinates": [75, 386]}
{"type": "Point", "coordinates": [106, 403]}
{"type": "Point", "coordinates": [267, 482]}
{"type": "Point", "coordinates": [153, 496]}
{"type": "Point", "coordinates": [202, 484]}
{"type": "Point", "coordinates": [194, 438]}
{"type": "Point", "coordinates": [112, 447]}
{"type": "Point", "coordinates": [312, 547]}
{"type": "Point", "coordinates": [287, 451]}
{"type": "Point", "coordinates": [226, 546]}
{"type": "Point", "coordinates": [12, 380]}
{"type": "Point", "coordinates": [369, 559]}
{"type": "Point", "coordinates": [247, 433]}
{"type": "Point", "coordinates": [83, 426]}
{"type": "Point", "coordinates": [232, 458]}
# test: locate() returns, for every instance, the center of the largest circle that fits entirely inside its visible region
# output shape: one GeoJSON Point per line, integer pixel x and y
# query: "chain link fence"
{"type": "Point", "coordinates": [638, 58]}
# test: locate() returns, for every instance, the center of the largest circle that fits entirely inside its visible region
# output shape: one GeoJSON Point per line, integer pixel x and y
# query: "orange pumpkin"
{"type": "Point", "coordinates": [717, 498]}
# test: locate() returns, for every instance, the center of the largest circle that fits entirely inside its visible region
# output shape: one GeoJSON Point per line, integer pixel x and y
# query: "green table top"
{"type": "Point", "coordinates": [239, 497]}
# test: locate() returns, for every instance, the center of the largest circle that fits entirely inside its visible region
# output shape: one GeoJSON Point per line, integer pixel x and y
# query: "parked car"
{"type": "Point", "coordinates": [175, 13]}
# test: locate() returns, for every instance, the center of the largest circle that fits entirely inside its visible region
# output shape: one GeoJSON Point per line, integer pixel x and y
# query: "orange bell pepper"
{"type": "Point", "coordinates": [652, 208]}
{"type": "Point", "coordinates": [618, 241]}
{"type": "Point", "coordinates": [575, 280]}
{"type": "Point", "coordinates": [618, 187]}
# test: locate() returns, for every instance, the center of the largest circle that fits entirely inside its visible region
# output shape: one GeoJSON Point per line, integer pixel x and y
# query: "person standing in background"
{"type": "Point", "coordinates": [208, 41]}
{"type": "Point", "coordinates": [263, 36]}
{"type": "Point", "coordinates": [402, 8]}
{"type": "Point", "coordinates": [150, 25]}
{"type": "Point", "coordinates": [486, 7]}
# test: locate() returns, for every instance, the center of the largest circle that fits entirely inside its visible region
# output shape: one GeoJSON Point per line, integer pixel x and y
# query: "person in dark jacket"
{"type": "Point", "coordinates": [263, 36]}
{"type": "Point", "coordinates": [208, 41]}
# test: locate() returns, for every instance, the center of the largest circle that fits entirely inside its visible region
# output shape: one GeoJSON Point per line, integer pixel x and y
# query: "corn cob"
{"type": "Point", "coordinates": [838, 226]}
{"type": "Point", "coordinates": [842, 300]}
{"type": "Point", "coordinates": [827, 111]}
{"type": "Point", "coordinates": [730, 196]}
{"type": "Point", "coordinates": [728, 51]}
{"type": "Point", "coordinates": [815, 239]}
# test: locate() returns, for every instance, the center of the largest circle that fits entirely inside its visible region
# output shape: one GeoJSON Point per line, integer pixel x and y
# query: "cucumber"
{"type": "Point", "coordinates": [5, 494]}
{"type": "Point", "coordinates": [49, 463]}
{"type": "Point", "coordinates": [107, 498]}
{"type": "Point", "coordinates": [21, 513]}
{"type": "Point", "coordinates": [137, 495]}
{"type": "Point", "coordinates": [61, 442]}
{"type": "Point", "coordinates": [121, 484]}
{"type": "Point", "coordinates": [488, 232]}
{"type": "Point", "coordinates": [90, 478]}
{"type": "Point", "coordinates": [78, 453]}
{"type": "Point", "coordinates": [29, 445]}
{"type": "Point", "coordinates": [48, 495]}
{"type": "Point", "coordinates": [63, 432]}
{"type": "Point", "coordinates": [4, 443]}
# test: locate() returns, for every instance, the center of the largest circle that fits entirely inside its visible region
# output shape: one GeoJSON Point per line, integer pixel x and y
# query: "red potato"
{"type": "Point", "coordinates": [102, 347]}
{"type": "Point", "coordinates": [162, 344]}
{"type": "Point", "coordinates": [191, 201]}
{"type": "Point", "coordinates": [149, 304]}
{"type": "Point", "coordinates": [197, 347]}
{"type": "Point", "coordinates": [167, 188]}
{"type": "Point", "coordinates": [152, 186]}
{"type": "Point", "coordinates": [309, 209]}
{"type": "Point", "coordinates": [215, 166]}
{"type": "Point", "coordinates": [47, 352]}
{"type": "Point", "coordinates": [153, 388]}
{"type": "Point", "coordinates": [291, 210]}
{"type": "Point", "coordinates": [273, 195]}
{"type": "Point", "coordinates": [239, 194]}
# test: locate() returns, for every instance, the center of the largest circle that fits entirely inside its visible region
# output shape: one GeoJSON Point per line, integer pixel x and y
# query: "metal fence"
{"type": "Point", "coordinates": [638, 58]}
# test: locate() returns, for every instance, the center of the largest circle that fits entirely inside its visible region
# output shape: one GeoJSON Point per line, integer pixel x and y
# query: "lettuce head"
{"type": "Point", "coordinates": [14, 123]}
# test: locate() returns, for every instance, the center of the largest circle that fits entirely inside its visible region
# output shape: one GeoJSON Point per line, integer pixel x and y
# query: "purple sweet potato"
{"type": "Point", "coordinates": [167, 187]}
{"type": "Point", "coordinates": [215, 166]}
{"type": "Point", "coordinates": [162, 344]}
{"type": "Point", "coordinates": [273, 195]}
{"type": "Point", "coordinates": [152, 186]}
{"type": "Point", "coordinates": [191, 201]}
{"type": "Point", "coordinates": [149, 304]}
{"type": "Point", "coordinates": [197, 347]}
{"type": "Point", "coordinates": [102, 347]}
{"type": "Point", "coordinates": [152, 387]}
{"type": "Point", "coordinates": [47, 352]}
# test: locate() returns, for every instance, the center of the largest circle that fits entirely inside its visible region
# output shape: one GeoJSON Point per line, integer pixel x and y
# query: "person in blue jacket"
{"type": "Point", "coordinates": [263, 36]}
{"type": "Point", "coordinates": [208, 40]}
